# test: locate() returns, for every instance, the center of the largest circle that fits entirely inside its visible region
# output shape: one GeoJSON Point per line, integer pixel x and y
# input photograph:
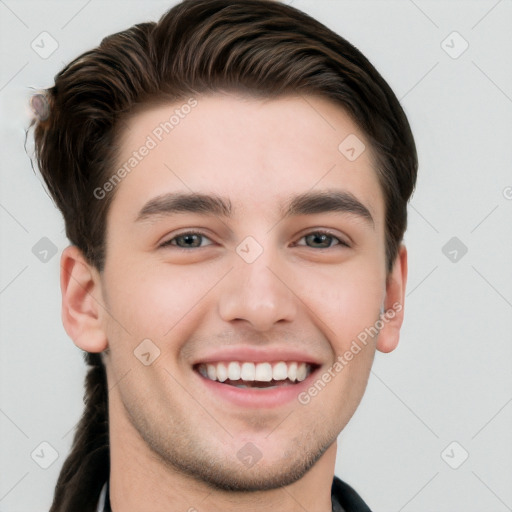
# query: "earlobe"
{"type": "Point", "coordinates": [81, 301]}
{"type": "Point", "coordinates": [394, 304]}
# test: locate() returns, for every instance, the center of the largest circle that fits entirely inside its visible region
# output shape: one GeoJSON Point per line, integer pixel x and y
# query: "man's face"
{"type": "Point", "coordinates": [254, 286]}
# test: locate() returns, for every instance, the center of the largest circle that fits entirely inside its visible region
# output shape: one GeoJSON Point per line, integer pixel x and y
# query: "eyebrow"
{"type": "Point", "coordinates": [167, 204]}
{"type": "Point", "coordinates": [307, 203]}
{"type": "Point", "coordinates": [327, 201]}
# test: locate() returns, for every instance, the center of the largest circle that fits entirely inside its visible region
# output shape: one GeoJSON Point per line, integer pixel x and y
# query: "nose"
{"type": "Point", "coordinates": [258, 293]}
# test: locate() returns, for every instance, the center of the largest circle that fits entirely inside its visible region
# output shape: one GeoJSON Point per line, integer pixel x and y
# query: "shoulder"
{"type": "Point", "coordinates": [347, 497]}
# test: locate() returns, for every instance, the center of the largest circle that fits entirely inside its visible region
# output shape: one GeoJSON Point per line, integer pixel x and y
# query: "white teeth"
{"type": "Point", "coordinates": [301, 372]}
{"type": "Point", "coordinates": [234, 370]}
{"type": "Point", "coordinates": [211, 371]}
{"type": "Point", "coordinates": [222, 372]}
{"type": "Point", "coordinates": [292, 371]}
{"type": "Point", "coordinates": [280, 371]}
{"type": "Point", "coordinates": [262, 372]}
{"type": "Point", "coordinates": [248, 371]}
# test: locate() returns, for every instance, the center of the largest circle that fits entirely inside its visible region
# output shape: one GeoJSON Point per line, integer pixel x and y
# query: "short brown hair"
{"type": "Point", "coordinates": [261, 47]}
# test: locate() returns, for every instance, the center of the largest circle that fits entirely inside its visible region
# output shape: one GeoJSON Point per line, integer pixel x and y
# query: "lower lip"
{"type": "Point", "coordinates": [258, 397]}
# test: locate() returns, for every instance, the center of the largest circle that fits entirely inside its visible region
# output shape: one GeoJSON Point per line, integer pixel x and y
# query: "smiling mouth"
{"type": "Point", "coordinates": [263, 375]}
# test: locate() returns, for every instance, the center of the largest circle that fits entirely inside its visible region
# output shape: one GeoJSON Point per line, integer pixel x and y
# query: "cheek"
{"type": "Point", "coordinates": [157, 299]}
{"type": "Point", "coordinates": [347, 300]}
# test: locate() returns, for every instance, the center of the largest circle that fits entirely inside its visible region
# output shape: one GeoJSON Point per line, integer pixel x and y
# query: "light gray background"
{"type": "Point", "coordinates": [449, 380]}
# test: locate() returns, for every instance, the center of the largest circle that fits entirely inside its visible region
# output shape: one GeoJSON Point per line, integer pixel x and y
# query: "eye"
{"type": "Point", "coordinates": [322, 239]}
{"type": "Point", "coordinates": [192, 240]}
{"type": "Point", "coordinates": [188, 240]}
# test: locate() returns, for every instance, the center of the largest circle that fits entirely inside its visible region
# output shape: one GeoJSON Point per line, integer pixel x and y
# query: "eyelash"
{"type": "Point", "coordinates": [168, 243]}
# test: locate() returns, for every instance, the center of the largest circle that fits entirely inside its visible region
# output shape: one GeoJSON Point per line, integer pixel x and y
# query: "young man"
{"type": "Point", "coordinates": [234, 182]}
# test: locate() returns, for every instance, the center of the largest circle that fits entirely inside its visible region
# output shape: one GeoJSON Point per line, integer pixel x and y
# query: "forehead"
{"type": "Point", "coordinates": [250, 150]}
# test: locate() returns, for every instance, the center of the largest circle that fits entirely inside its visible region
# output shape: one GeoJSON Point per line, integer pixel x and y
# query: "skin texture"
{"type": "Point", "coordinates": [174, 443]}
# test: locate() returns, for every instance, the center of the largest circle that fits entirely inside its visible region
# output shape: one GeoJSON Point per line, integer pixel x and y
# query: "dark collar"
{"type": "Point", "coordinates": [343, 497]}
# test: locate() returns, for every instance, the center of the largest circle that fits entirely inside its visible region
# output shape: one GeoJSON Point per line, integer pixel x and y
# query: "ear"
{"type": "Point", "coordinates": [394, 303]}
{"type": "Point", "coordinates": [82, 302]}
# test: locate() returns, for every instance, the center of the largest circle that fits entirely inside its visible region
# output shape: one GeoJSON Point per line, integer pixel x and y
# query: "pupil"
{"type": "Point", "coordinates": [190, 238]}
{"type": "Point", "coordinates": [320, 238]}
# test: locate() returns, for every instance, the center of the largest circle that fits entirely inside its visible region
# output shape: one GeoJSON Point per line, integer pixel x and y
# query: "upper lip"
{"type": "Point", "coordinates": [256, 355]}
